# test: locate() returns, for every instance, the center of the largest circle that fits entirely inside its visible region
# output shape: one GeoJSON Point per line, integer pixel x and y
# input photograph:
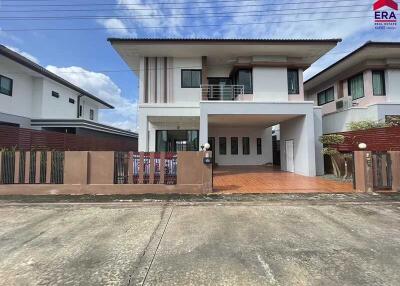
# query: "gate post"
{"type": "Point", "coordinates": [395, 158]}
{"type": "Point", "coordinates": [363, 171]}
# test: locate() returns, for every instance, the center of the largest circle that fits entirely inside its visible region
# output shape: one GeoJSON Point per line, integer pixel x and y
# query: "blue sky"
{"type": "Point", "coordinates": [87, 59]}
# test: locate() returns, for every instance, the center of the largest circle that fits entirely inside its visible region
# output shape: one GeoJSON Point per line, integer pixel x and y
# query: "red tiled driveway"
{"type": "Point", "coordinates": [263, 179]}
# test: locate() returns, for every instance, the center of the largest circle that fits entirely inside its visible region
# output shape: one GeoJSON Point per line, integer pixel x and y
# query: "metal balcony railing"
{"type": "Point", "coordinates": [222, 92]}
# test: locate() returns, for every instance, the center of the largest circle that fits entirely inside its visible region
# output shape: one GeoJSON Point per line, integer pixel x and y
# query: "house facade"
{"type": "Point", "coordinates": [33, 97]}
{"type": "Point", "coordinates": [230, 94]}
{"type": "Point", "coordinates": [362, 86]}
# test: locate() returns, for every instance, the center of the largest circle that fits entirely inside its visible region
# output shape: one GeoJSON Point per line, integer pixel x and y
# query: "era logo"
{"type": "Point", "coordinates": [385, 17]}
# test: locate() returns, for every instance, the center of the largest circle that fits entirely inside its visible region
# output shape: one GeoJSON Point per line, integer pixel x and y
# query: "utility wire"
{"type": "Point", "coordinates": [182, 26]}
{"type": "Point", "coordinates": [211, 15]}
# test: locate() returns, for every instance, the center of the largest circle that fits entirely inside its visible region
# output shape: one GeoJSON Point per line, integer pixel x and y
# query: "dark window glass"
{"type": "Point", "coordinates": [259, 146]}
{"type": "Point", "coordinates": [191, 78]}
{"type": "Point", "coordinates": [326, 96]}
{"type": "Point", "coordinates": [55, 94]}
{"type": "Point", "coordinates": [246, 145]}
{"type": "Point", "coordinates": [234, 146]}
{"type": "Point", "coordinates": [80, 110]}
{"type": "Point", "coordinates": [293, 81]}
{"type": "Point", "coordinates": [222, 145]}
{"type": "Point", "coordinates": [6, 85]}
{"type": "Point", "coordinates": [193, 140]}
{"type": "Point", "coordinates": [356, 86]}
{"type": "Point", "coordinates": [91, 114]}
{"type": "Point", "coordinates": [177, 140]}
{"type": "Point", "coordinates": [244, 77]}
{"type": "Point", "coordinates": [71, 100]}
{"type": "Point", "coordinates": [161, 141]}
{"type": "Point", "coordinates": [378, 82]}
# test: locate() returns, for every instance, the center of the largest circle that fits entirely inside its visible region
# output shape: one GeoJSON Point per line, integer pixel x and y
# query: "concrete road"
{"type": "Point", "coordinates": [279, 242]}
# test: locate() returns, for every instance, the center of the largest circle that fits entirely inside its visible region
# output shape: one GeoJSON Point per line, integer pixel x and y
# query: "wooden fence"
{"type": "Point", "coordinates": [39, 140]}
{"type": "Point", "coordinates": [377, 139]}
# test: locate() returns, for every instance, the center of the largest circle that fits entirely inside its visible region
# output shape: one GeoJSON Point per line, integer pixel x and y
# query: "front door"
{"type": "Point", "coordinates": [289, 155]}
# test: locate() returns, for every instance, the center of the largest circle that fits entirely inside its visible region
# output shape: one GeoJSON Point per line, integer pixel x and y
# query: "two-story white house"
{"type": "Point", "coordinates": [33, 97]}
{"type": "Point", "coordinates": [364, 85]}
{"type": "Point", "coordinates": [229, 93]}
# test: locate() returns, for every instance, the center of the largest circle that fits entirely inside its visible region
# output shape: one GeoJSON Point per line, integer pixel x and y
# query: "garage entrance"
{"type": "Point", "coordinates": [269, 179]}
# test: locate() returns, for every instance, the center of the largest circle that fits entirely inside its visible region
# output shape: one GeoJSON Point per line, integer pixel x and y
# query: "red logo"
{"type": "Point", "coordinates": [386, 3]}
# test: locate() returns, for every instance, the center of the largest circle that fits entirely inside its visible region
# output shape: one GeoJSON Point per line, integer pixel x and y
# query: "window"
{"type": "Point", "coordinates": [244, 77]}
{"type": "Point", "coordinates": [55, 94]}
{"type": "Point", "coordinates": [91, 114]}
{"type": "Point", "coordinates": [177, 140]}
{"type": "Point", "coordinates": [80, 110]}
{"type": "Point", "coordinates": [326, 96]}
{"type": "Point", "coordinates": [293, 81]}
{"type": "Point", "coordinates": [246, 145]}
{"type": "Point", "coordinates": [6, 85]}
{"type": "Point", "coordinates": [234, 146]}
{"type": "Point", "coordinates": [71, 100]}
{"type": "Point", "coordinates": [190, 78]}
{"type": "Point", "coordinates": [259, 146]}
{"type": "Point", "coordinates": [378, 82]}
{"type": "Point", "coordinates": [356, 86]}
{"type": "Point", "coordinates": [222, 145]}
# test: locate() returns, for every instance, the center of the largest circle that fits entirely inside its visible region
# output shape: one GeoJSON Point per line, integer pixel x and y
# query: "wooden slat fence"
{"type": "Point", "coordinates": [39, 140]}
{"type": "Point", "coordinates": [377, 139]}
{"type": "Point", "coordinates": [145, 168]}
{"type": "Point", "coordinates": [36, 167]}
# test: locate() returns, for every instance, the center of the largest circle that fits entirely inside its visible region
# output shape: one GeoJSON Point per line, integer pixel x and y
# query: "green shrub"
{"type": "Point", "coordinates": [331, 139]}
{"type": "Point", "coordinates": [366, 124]}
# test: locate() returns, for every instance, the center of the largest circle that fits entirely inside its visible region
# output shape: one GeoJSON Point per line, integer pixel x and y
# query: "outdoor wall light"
{"type": "Point", "coordinates": [362, 146]}
{"type": "Point", "coordinates": [207, 146]}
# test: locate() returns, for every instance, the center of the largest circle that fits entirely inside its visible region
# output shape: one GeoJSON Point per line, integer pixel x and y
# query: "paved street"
{"type": "Point", "coordinates": [329, 240]}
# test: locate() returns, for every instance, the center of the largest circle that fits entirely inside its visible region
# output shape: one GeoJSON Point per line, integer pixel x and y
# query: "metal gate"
{"type": "Point", "coordinates": [382, 171]}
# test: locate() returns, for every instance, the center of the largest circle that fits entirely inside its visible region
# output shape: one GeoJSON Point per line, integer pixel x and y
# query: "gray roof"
{"type": "Point", "coordinates": [38, 68]}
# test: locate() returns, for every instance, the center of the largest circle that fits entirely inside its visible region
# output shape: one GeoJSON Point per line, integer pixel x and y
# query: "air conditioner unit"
{"type": "Point", "coordinates": [339, 105]}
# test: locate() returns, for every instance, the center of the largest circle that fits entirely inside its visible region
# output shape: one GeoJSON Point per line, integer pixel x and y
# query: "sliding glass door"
{"type": "Point", "coordinates": [177, 140]}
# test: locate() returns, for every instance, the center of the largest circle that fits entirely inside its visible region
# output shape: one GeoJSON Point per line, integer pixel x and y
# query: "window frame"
{"type": "Point", "coordinates": [296, 91]}
{"type": "Point", "coordinates": [55, 94]}
{"type": "Point", "coordinates": [259, 146]}
{"type": "Point", "coordinates": [71, 100]}
{"type": "Point", "coordinates": [246, 144]}
{"type": "Point", "coordinates": [222, 143]}
{"type": "Point", "coordinates": [236, 75]}
{"type": "Point", "coordinates": [349, 86]}
{"type": "Point", "coordinates": [11, 85]}
{"type": "Point", "coordinates": [382, 73]}
{"type": "Point", "coordinates": [324, 92]}
{"type": "Point", "coordinates": [237, 145]}
{"type": "Point", "coordinates": [91, 114]}
{"type": "Point", "coordinates": [191, 80]}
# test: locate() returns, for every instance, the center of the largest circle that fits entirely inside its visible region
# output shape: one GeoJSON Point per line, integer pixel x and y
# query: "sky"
{"type": "Point", "coordinates": [70, 37]}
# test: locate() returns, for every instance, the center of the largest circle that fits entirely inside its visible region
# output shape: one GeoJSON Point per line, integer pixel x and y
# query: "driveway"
{"type": "Point", "coordinates": [318, 240]}
{"type": "Point", "coordinates": [267, 179]}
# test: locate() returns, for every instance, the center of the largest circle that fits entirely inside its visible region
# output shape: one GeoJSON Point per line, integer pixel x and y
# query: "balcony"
{"type": "Point", "coordinates": [218, 92]}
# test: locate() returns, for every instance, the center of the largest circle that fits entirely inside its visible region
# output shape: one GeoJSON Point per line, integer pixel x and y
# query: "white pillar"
{"type": "Point", "coordinates": [319, 158]}
{"type": "Point", "coordinates": [203, 127]}
{"type": "Point", "coordinates": [143, 133]}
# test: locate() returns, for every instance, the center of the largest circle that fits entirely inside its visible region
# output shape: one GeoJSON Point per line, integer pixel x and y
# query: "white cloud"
{"type": "Point", "coordinates": [101, 85]}
{"type": "Point", "coordinates": [116, 27]}
{"type": "Point", "coordinates": [25, 54]}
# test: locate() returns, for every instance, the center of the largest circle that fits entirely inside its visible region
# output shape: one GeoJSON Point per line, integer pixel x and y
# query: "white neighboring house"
{"type": "Point", "coordinates": [364, 85]}
{"type": "Point", "coordinates": [33, 97]}
{"type": "Point", "coordinates": [230, 93]}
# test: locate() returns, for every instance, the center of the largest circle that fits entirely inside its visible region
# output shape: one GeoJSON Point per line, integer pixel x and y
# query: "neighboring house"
{"type": "Point", "coordinates": [364, 85]}
{"type": "Point", "coordinates": [230, 93]}
{"type": "Point", "coordinates": [33, 97]}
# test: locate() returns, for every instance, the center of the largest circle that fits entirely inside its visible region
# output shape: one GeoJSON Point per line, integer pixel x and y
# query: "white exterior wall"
{"type": "Point", "coordinates": [393, 85]}
{"type": "Point", "coordinates": [253, 133]}
{"type": "Point", "coordinates": [270, 84]}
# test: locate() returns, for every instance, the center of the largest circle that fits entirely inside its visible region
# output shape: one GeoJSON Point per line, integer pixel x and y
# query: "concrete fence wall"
{"type": "Point", "coordinates": [92, 172]}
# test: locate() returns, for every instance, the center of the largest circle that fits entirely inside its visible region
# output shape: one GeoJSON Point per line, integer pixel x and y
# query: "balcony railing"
{"type": "Point", "coordinates": [222, 92]}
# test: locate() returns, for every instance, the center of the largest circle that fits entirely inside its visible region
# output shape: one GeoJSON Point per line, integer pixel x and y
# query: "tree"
{"type": "Point", "coordinates": [331, 151]}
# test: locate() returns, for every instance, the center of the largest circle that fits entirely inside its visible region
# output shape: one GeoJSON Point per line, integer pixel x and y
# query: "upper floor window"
{"type": "Point", "coordinates": [245, 77]}
{"type": "Point", "coordinates": [190, 78]}
{"type": "Point", "coordinates": [356, 86]}
{"type": "Point", "coordinates": [71, 100]}
{"type": "Point", "coordinates": [293, 81]}
{"type": "Point", "coordinates": [378, 82]}
{"type": "Point", "coordinates": [80, 110]}
{"type": "Point", "coordinates": [91, 114]}
{"type": "Point", "coordinates": [6, 85]}
{"type": "Point", "coordinates": [326, 96]}
{"type": "Point", "coordinates": [55, 94]}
